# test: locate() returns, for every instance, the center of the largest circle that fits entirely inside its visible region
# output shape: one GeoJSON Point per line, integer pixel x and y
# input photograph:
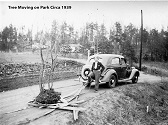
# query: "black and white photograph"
{"type": "Point", "coordinates": [84, 62]}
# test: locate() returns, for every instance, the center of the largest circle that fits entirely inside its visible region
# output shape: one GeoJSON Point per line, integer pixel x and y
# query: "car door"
{"type": "Point", "coordinates": [123, 66]}
{"type": "Point", "coordinates": [115, 63]}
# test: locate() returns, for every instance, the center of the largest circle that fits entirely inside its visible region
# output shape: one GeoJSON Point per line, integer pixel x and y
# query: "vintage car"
{"type": "Point", "coordinates": [116, 70]}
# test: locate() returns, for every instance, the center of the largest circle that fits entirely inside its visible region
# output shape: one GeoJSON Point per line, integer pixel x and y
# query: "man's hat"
{"type": "Point", "coordinates": [96, 56]}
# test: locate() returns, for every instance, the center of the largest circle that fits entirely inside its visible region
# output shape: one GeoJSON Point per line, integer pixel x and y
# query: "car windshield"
{"type": "Point", "coordinates": [103, 60]}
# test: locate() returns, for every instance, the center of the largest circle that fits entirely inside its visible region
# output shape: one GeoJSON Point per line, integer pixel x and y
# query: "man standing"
{"type": "Point", "coordinates": [96, 70]}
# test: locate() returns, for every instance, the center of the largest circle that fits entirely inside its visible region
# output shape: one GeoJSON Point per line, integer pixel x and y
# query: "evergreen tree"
{"type": "Point", "coordinates": [8, 38]}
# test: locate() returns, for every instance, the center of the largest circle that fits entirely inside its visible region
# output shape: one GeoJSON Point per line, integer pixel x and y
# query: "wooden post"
{"type": "Point", "coordinates": [88, 53]}
{"type": "Point", "coordinates": [97, 45]}
{"type": "Point", "coordinates": [140, 58]}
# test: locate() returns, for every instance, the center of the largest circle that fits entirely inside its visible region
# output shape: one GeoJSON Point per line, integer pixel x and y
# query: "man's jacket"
{"type": "Point", "coordinates": [99, 66]}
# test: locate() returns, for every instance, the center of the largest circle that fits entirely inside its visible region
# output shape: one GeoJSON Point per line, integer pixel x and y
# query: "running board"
{"type": "Point", "coordinates": [124, 80]}
{"type": "Point", "coordinates": [84, 81]}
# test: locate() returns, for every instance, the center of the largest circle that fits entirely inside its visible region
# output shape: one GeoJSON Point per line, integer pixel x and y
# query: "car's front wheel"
{"type": "Point", "coordinates": [135, 78]}
{"type": "Point", "coordinates": [112, 81]}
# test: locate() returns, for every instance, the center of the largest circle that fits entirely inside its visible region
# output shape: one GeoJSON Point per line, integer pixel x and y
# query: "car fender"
{"type": "Point", "coordinates": [107, 74]}
{"type": "Point", "coordinates": [133, 72]}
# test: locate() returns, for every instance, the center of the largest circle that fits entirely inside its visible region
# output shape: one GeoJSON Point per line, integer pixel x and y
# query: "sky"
{"type": "Point", "coordinates": [155, 14]}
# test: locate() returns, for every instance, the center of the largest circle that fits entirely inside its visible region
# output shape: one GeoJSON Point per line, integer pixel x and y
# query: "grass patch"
{"type": "Point", "coordinates": [154, 68]}
{"type": "Point", "coordinates": [152, 95]}
{"type": "Point", "coordinates": [14, 76]}
{"type": "Point", "coordinates": [128, 106]}
{"type": "Point", "coordinates": [162, 65]}
{"type": "Point", "coordinates": [25, 81]}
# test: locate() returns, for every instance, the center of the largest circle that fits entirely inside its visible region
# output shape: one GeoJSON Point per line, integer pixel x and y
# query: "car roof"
{"type": "Point", "coordinates": [106, 55]}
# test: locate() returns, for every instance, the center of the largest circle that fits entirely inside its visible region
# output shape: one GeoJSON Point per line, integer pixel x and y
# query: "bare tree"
{"type": "Point", "coordinates": [42, 63]}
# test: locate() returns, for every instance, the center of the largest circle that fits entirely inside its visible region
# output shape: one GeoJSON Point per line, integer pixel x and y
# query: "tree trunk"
{"type": "Point", "coordinates": [41, 71]}
{"type": "Point", "coordinates": [51, 73]}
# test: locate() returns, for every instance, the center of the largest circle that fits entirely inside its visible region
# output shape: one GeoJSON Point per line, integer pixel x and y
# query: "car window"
{"type": "Point", "coordinates": [103, 60]}
{"type": "Point", "coordinates": [115, 61]}
{"type": "Point", "coordinates": [92, 60]}
{"type": "Point", "coordinates": [123, 61]}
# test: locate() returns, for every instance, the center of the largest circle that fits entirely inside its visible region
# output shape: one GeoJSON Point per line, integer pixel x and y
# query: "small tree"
{"type": "Point", "coordinates": [47, 96]}
{"type": "Point", "coordinates": [52, 48]}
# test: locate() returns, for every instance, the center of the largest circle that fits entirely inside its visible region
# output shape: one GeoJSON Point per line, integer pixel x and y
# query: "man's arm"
{"type": "Point", "coordinates": [102, 67]}
{"type": "Point", "coordinates": [92, 67]}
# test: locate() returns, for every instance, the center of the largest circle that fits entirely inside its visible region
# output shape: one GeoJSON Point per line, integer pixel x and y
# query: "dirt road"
{"type": "Point", "coordinates": [14, 109]}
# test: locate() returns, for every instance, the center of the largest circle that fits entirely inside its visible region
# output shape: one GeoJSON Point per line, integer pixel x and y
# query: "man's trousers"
{"type": "Point", "coordinates": [96, 74]}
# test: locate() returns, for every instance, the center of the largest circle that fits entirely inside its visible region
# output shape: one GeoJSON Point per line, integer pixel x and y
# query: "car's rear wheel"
{"type": "Point", "coordinates": [135, 78]}
{"type": "Point", "coordinates": [112, 81]}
